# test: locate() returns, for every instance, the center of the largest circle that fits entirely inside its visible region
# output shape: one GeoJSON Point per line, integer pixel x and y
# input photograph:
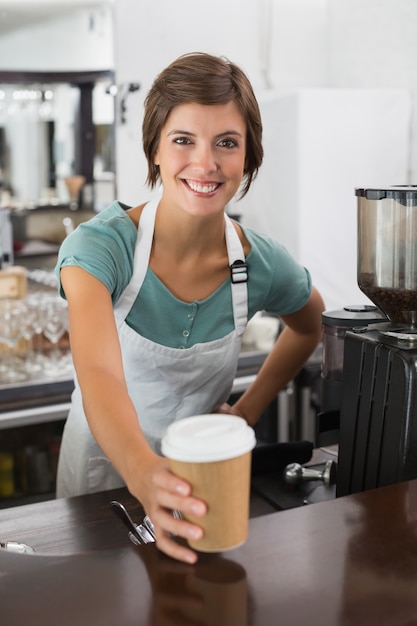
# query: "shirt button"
{"type": "Point", "coordinates": [185, 333]}
{"type": "Point", "coordinates": [190, 317]}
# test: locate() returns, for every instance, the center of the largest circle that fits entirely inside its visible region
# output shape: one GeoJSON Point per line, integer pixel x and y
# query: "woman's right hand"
{"type": "Point", "coordinates": [161, 493]}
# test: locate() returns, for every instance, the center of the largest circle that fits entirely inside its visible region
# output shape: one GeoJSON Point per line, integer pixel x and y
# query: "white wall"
{"type": "Point", "coordinates": [329, 142]}
{"type": "Point", "coordinates": [276, 42]}
{"type": "Point", "coordinates": [373, 43]}
{"type": "Point", "coordinates": [167, 30]}
{"type": "Point", "coordinates": [297, 52]}
{"type": "Point", "coordinates": [79, 38]}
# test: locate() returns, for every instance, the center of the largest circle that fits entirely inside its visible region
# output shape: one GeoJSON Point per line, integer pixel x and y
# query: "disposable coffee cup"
{"type": "Point", "coordinates": [213, 453]}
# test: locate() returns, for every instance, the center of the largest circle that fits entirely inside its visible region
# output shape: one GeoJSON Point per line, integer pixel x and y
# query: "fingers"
{"type": "Point", "coordinates": [224, 408]}
{"type": "Point", "coordinates": [169, 482]}
{"type": "Point", "coordinates": [169, 526]}
{"type": "Point", "coordinates": [171, 493]}
{"type": "Point", "coordinates": [230, 410]}
{"type": "Point", "coordinates": [186, 526]}
{"type": "Point", "coordinates": [175, 550]}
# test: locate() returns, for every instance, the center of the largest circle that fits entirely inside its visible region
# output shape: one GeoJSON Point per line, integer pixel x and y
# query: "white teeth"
{"type": "Point", "coordinates": [202, 188]}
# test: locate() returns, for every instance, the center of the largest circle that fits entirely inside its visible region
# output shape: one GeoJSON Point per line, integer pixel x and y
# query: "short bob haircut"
{"type": "Point", "coordinates": [202, 79]}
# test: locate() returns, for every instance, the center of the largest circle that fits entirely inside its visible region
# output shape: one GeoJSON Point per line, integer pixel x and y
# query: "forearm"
{"type": "Point", "coordinates": [284, 362]}
{"type": "Point", "coordinates": [113, 419]}
{"type": "Point", "coordinates": [115, 426]}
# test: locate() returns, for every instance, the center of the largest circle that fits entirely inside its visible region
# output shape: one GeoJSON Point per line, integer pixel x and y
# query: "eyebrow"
{"type": "Point", "coordinates": [189, 134]}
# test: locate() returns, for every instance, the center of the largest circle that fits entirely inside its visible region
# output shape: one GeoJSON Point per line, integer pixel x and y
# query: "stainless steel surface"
{"type": "Point", "coordinates": [295, 473]}
{"type": "Point", "coordinates": [120, 510]}
{"type": "Point", "coordinates": [34, 415]}
{"type": "Point", "coordinates": [387, 260]}
{"type": "Point", "coordinates": [16, 546]}
{"type": "Point", "coordinates": [138, 533]}
{"type": "Point", "coordinates": [147, 522]}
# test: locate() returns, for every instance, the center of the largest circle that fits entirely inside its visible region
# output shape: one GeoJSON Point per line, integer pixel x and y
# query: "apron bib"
{"type": "Point", "coordinates": [165, 384]}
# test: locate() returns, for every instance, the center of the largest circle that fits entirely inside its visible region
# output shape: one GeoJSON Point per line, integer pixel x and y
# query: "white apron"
{"type": "Point", "coordinates": [165, 384]}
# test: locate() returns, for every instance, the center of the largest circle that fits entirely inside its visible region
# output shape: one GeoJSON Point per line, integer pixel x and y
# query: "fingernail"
{"type": "Point", "coordinates": [197, 509]}
{"type": "Point", "coordinates": [195, 533]}
{"type": "Point", "coordinates": [191, 558]}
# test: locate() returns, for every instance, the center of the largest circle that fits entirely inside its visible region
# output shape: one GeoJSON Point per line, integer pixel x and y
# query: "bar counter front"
{"type": "Point", "coordinates": [350, 561]}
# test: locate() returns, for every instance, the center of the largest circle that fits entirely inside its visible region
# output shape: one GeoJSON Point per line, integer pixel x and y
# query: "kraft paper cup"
{"type": "Point", "coordinates": [213, 453]}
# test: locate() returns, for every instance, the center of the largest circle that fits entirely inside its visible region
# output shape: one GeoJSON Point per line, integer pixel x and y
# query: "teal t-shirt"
{"type": "Point", "coordinates": [104, 246]}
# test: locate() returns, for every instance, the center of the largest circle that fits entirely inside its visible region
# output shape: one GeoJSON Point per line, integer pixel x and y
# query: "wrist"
{"type": "Point", "coordinates": [241, 410]}
{"type": "Point", "coordinates": [139, 460]}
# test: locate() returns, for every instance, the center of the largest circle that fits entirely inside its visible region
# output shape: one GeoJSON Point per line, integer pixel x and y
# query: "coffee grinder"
{"type": "Point", "coordinates": [378, 415]}
{"type": "Point", "coordinates": [335, 326]}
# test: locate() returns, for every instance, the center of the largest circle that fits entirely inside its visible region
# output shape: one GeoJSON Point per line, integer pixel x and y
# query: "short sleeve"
{"type": "Point", "coordinates": [104, 247]}
{"type": "Point", "coordinates": [278, 284]}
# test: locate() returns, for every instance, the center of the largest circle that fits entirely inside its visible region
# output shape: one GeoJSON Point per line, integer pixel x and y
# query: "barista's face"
{"type": "Point", "coordinates": [201, 156]}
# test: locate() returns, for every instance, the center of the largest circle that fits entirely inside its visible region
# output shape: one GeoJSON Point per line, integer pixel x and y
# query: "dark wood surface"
{"type": "Point", "coordinates": [345, 562]}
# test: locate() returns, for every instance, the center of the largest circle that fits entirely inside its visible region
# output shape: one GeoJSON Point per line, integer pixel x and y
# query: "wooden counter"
{"type": "Point", "coordinates": [345, 562]}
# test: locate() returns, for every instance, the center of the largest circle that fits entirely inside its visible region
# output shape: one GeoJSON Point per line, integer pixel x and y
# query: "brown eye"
{"type": "Point", "coordinates": [228, 143]}
{"type": "Point", "coordinates": [182, 141]}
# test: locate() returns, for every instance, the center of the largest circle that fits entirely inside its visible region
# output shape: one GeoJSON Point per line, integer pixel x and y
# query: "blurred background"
{"type": "Point", "coordinates": [336, 80]}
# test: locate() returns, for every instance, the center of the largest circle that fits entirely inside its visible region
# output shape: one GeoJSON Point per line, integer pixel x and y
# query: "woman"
{"type": "Point", "coordinates": [159, 296]}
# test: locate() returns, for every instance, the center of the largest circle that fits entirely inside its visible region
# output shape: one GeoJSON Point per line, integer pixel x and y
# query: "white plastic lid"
{"type": "Point", "coordinates": [206, 438]}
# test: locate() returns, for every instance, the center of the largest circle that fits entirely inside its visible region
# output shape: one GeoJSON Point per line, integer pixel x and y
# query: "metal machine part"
{"type": "Point", "coordinates": [387, 245]}
{"type": "Point", "coordinates": [138, 534]}
{"type": "Point", "coordinates": [295, 474]}
{"type": "Point", "coordinates": [16, 546]}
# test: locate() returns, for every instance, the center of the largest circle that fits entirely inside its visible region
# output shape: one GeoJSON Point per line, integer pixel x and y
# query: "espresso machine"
{"type": "Point", "coordinates": [378, 413]}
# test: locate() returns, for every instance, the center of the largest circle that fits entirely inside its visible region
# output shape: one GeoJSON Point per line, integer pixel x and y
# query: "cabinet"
{"type": "Point", "coordinates": [32, 418]}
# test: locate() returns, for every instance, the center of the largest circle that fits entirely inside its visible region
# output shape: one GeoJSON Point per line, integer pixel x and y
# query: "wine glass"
{"type": "Point", "coordinates": [37, 304]}
{"type": "Point", "coordinates": [54, 328]}
{"type": "Point", "coordinates": [28, 329]}
{"type": "Point", "coordinates": [11, 316]}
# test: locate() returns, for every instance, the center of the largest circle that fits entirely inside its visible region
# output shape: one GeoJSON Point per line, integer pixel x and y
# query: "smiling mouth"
{"type": "Point", "coordinates": [202, 187]}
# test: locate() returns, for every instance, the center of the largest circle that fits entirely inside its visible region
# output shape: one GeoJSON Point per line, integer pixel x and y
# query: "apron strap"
{"type": "Point", "coordinates": [239, 276]}
{"type": "Point", "coordinates": [140, 261]}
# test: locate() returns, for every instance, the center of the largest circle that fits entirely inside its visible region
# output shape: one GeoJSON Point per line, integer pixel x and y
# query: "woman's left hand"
{"type": "Point", "coordinates": [228, 409]}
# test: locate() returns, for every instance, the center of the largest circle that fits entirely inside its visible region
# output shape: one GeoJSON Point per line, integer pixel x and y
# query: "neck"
{"type": "Point", "coordinates": [182, 232]}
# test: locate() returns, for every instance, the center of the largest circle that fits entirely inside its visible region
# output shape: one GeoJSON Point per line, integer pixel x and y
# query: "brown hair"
{"type": "Point", "coordinates": [204, 79]}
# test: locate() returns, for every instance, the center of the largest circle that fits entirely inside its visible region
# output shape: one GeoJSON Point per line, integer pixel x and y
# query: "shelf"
{"type": "Point", "coordinates": [34, 415]}
{"type": "Point", "coordinates": [36, 391]}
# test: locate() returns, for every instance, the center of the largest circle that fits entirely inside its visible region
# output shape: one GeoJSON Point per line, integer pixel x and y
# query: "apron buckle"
{"type": "Point", "coordinates": [239, 272]}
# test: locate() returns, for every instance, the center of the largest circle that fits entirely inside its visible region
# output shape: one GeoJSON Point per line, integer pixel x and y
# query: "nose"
{"type": "Point", "coordinates": [204, 160]}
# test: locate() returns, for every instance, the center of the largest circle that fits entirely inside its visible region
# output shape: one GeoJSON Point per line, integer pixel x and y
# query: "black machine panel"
{"type": "Point", "coordinates": [378, 418]}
